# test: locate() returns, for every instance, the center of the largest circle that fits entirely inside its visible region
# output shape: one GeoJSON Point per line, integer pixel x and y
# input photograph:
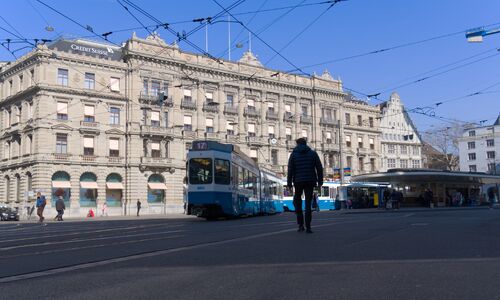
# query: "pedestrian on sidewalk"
{"type": "Point", "coordinates": [40, 206]}
{"type": "Point", "coordinates": [138, 206]}
{"type": "Point", "coordinates": [305, 171]}
{"type": "Point", "coordinates": [104, 209]}
{"type": "Point", "coordinates": [491, 197]}
{"type": "Point", "coordinates": [60, 207]}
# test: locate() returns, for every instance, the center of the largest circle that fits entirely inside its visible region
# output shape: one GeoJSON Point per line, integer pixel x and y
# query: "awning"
{"type": "Point", "coordinates": [89, 184]}
{"type": "Point", "coordinates": [114, 185]}
{"type": "Point", "coordinates": [61, 184]}
{"type": "Point", "coordinates": [157, 185]}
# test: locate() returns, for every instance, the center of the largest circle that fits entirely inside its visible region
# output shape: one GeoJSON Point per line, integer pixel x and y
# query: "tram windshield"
{"type": "Point", "coordinates": [222, 171]}
{"type": "Point", "coordinates": [200, 171]}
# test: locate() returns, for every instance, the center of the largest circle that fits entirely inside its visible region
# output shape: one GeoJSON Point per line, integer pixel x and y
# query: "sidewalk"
{"type": "Point", "coordinates": [34, 219]}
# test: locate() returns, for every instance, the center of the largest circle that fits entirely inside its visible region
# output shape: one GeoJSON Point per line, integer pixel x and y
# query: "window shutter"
{"type": "Point", "coordinates": [113, 144]}
{"type": "Point", "coordinates": [253, 153]}
{"type": "Point", "coordinates": [270, 104]}
{"type": "Point", "coordinates": [304, 133]}
{"type": "Point", "coordinates": [155, 116]}
{"type": "Point", "coordinates": [251, 127]}
{"type": "Point", "coordinates": [155, 146]}
{"type": "Point", "coordinates": [187, 93]}
{"type": "Point", "coordinates": [89, 110]}
{"type": "Point", "coordinates": [88, 142]}
{"type": "Point", "coordinates": [210, 122]}
{"type": "Point", "coordinates": [270, 129]}
{"type": "Point", "coordinates": [288, 131]}
{"type": "Point", "coordinates": [114, 84]}
{"type": "Point", "coordinates": [288, 108]}
{"type": "Point", "coordinates": [229, 125]}
{"type": "Point", "coordinates": [328, 135]}
{"type": "Point", "coordinates": [250, 102]}
{"type": "Point", "coordinates": [187, 120]}
{"type": "Point", "coordinates": [209, 95]}
{"type": "Point", "coordinates": [62, 108]}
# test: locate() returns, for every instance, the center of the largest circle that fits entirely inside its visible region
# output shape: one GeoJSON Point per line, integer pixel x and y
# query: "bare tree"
{"type": "Point", "coordinates": [445, 141]}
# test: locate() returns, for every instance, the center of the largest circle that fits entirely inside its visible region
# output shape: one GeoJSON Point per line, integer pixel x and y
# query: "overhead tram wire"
{"type": "Point", "coordinates": [333, 2]}
{"type": "Point", "coordinates": [266, 26]}
{"type": "Point", "coordinates": [264, 42]}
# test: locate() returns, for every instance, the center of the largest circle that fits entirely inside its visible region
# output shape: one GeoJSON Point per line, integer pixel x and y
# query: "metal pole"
{"type": "Point", "coordinates": [229, 36]}
{"type": "Point", "coordinates": [206, 37]}
{"type": "Point", "coordinates": [341, 165]}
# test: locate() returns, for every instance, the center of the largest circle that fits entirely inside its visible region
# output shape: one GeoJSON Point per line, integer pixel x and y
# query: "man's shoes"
{"type": "Point", "coordinates": [301, 228]}
{"type": "Point", "coordinates": [309, 230]}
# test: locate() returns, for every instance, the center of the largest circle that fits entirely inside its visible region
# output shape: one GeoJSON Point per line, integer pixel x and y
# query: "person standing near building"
{"type": "Point", "coordinates": [104, 210]}
{"type": "Point", "coordinates": [138, 206]}
{"type": "Point", "coordinates": [304, 172]}
{"type": "Point", "coordinates": [40, 206]}
{"type": "Point", "coordinates": [60, 207]}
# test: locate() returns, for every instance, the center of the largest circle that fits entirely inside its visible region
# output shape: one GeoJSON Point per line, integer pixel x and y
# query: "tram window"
{"type": "Point", "coordinates": [200, 171]}
{"type": "Point", "coordinates": [241, 178]}
{"type": "Point", "coordinates": [325, 191]}
{"type": "Point", "coordinates": [222, 171]}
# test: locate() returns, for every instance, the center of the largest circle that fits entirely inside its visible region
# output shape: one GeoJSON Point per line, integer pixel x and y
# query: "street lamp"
{"type": "Point", "coordinates": [476, 35]}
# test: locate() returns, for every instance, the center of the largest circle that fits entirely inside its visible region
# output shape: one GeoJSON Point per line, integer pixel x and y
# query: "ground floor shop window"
{"type": "Point", "coordinates": [88, 190]}
{"type": "Point", "coordinates": [114, 190]}
{"type": "Point", "coordinates": [61, 186]}
{"type": "Point", "coordinates": [156, 189]}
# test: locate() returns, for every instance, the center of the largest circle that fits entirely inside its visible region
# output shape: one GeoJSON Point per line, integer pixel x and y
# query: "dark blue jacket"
{"type": "Point", "coordinates": [304, 166]}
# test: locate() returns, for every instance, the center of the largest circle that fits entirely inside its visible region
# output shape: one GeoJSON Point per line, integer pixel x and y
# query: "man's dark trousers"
{"type": "Point", "coordinates": [307, 189]}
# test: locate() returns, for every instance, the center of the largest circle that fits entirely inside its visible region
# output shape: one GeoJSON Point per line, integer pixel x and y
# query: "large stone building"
{"type": "Point", "coordinates": [401, 143]}
{"type": "Point", "coordinates": [479, 149]}
{"type": "Point", "coordinates": [96, 123]}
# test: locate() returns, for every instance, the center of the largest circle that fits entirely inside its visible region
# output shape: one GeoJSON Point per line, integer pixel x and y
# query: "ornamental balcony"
{"type": "Point", "coordinates": [251, 111]}
{"type": "Point", "coordinates": [188, 104]}
{"type": "Point", "coordinates": [327, 121]}
{"type": "Point", "coordinates": [211, 106]}
{"type": "Point", "coordinates": [272, 115]}
{"type": "Point", "coordinates": [306, 119]}
{"type": "Point", "coordinates": [230, 109]}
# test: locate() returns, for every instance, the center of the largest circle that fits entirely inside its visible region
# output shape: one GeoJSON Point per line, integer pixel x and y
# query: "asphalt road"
{"type": "Point", "coordinates": [435, 254]}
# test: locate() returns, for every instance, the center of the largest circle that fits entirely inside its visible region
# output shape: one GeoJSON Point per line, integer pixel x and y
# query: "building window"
{"type": "Point", "coordinates": [155, 88]}
{"type": "Point", "coordinates": [304, 133]}
{"type": "Point", "coordinates": [62, 110]}
{"type": "Point", "coordinates": [404, 149]}
{"type": "Point", "coordinates": [230, 100]}
{"type": "Point", "coordinates": [21, 77]}
{"type": "Point", "coordinates": [472, 156]}
{"type": "Point", "coordinates": [114, 147]}
{"type": "Point", "coordinates": [270, 131]}
{"type": "Point", "coordinates": [472, 133]}
{"type": "Point", "coordinates": [472, 168]}
{"type": "Point", "coordinates": [490, 143]}
{"type": "Point", "coordinates": [403, 163]}
{"type": "Point", "coordinates": [360, 142]}
{"type": "Point", "coordinates": [114, 84]}
{"type": "Point", "coordinates": [187, 123]}
{"type": "Point", "coordinates": [230, 127]}
{"type": "Point", "coordinates": [391, 163]}
{"type": "Point", "coordinates": [145, 87]}
{"type": "Point", "coordinates": [209, 125]}
{"type": "Point", "coordinates": [288, 108]}
{"type": "Point", "coordinates": [348, 141]}
{"type": "Point", "coordinates": [251, 129]}
{"type": "Point", "coordinates": [61, 143]}
{"type": "Point", "coordinates": [6, 150]}
{"type": "Point", "coordinates": [209, 97]}
{"type": "Point", "coordinates": [416, 150]}
{"type": "Point", "coordinates": [90, 81]}
{"type": "Point", "coordinates": [29, 147]}
{"type": "Point", "coordinates": [155, 150]}
{"type": "Point", "coordinates": [17, 115]}
{"type": "Point", "coordinates": [32, 76]}
{"type": "Point", "coordinates": [471, 145]}
{"type": "Point", "coordinates": [274, 157]}
{"type": "Point", "coordinates": [361, 163]}
{"type": "Point", "coordinates": [89, 113]}
{"type": "Point", "coordinates": [370, 121]}
{"type": "Point", "coordinates": [490, 154]}
{"type": "Point", "coordinates": [347, 118]}
{"type": "Point", "coordinates": [328, 137]}
{"type": "Point", "coordinates": [416, 163]}
{"type": "Point", "coordinates": [155, 118]}
{"type": "Point", "coordinates": [391, 149]}
{"type": "Point", "coordinates": [372, 143]}
{"type": "Point", "coordinates": [360, 120]}
{"type": "Point", "coordinates": [62, 77]}
{"type": "Point", "coordinates": [270, 107]}
{"type": "Point", "coordinates": [491, 168]}
{"type": "Point", "coordinates": [304, 110]}
{"type": "Point", "coordinates": [114, 116]}
{"type": "Point", "coordinates": [30, 110]}
{"type": "Point", "coordinates": [288, 133]}
{"type": "Point", "coordinates": [349, 161]}
{"type": "Point", "coordinates": [372, 164]}
{"type": "Point", "coordinates": [88, 145]}
{"type": "Point", "coordinates": [165, 121]}
{"type": "Point", "coordinates": [187, 95]}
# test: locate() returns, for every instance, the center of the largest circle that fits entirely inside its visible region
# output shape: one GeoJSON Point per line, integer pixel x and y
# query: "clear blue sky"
{"type": "Point", "coordinates": [348, 28]}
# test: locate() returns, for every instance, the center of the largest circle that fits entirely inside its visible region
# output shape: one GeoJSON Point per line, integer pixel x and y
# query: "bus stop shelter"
{"type": "Point", "coordinates": [474, 187]}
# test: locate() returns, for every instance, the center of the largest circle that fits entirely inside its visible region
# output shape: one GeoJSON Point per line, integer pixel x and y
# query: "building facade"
{"type": "Point", "coordinates": [98, 124]}
{"type": "Point", "coordinates": [401, 143]}
{"type": "Point", "coordinates": [479, 149]}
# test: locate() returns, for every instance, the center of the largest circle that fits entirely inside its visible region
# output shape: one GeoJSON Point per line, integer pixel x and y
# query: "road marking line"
{"type": "Point", "coordinates": [54, 271]}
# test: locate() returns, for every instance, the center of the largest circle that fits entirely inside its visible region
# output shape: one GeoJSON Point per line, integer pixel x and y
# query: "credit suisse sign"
{"type": "Point", "coordinates": [83, 48]}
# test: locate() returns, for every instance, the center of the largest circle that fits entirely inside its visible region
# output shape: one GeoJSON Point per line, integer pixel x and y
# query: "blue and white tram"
{"type": "Point", "coordinates": [223, 181]}
{"type": "Point", "coordinates": [326, 197]}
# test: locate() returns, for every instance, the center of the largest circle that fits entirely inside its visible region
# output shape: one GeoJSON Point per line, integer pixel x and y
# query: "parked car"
{"type": "Point", "coordinates": [8, 214]}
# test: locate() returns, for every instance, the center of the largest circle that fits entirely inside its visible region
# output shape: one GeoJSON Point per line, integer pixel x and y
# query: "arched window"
{"type": "Point", "coordinates": [61, 186]}
{"type": "Point", "coordinates": [19, 196]}
{"type": "Point", "coordinates": [156, 188]}
{"type": "Point", "coordinates": [88, 190]}
{"type": "Point", "coordinates": [114, 190]}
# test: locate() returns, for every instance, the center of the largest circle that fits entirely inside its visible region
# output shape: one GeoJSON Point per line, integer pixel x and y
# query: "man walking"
{"type": "Point", "coordinates": [60, 207]}
{"type": "Point", "coordinates": [304, 172]}
{"type": "Point", "coordinates": [138, 206]}
{"type": "Point", "coordinates": [40, 206]}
